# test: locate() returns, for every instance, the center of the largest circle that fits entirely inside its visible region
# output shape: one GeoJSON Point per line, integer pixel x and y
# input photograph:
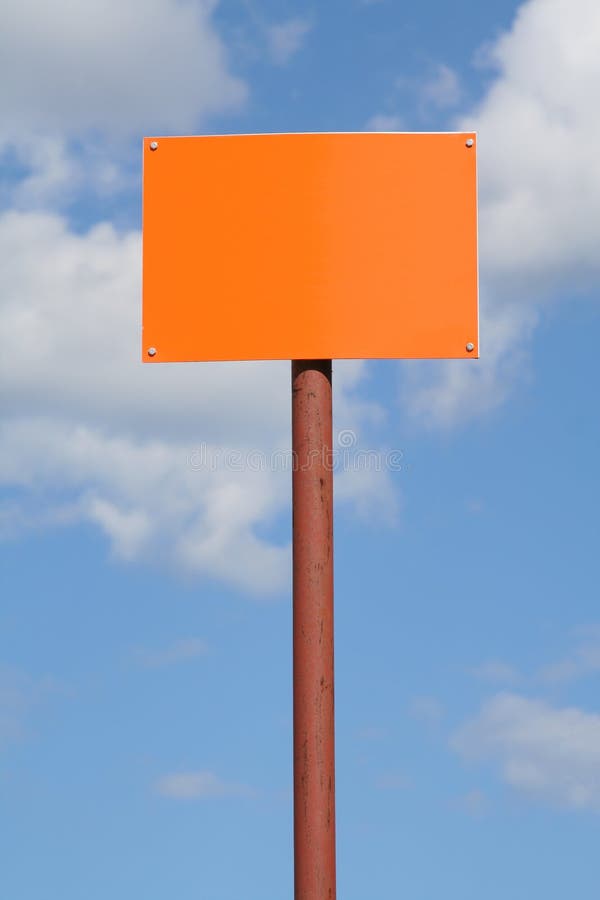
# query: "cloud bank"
{"type": "Point", "coordinates": [548, 753]}
{"type": "Point", "coordinates": [539, 177]}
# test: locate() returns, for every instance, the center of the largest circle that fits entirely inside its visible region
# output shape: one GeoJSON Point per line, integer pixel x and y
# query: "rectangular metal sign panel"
{"type": "Point", "coordinates": [310, 246]}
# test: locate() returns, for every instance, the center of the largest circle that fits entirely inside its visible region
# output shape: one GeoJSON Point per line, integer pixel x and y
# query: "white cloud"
{"type": "Point", "coordinates": [118, 68]}
{"type": "Point", "coordinates": [551, 754]}
{"type": "Point", "coordinates": [90, 434]}
{"type": "Point", "coordinates": [497, 671]}
{"type": "Point", "coordinates": [285, 39]}
{"type": "Point", "coordinates": [442, 89]}
{"type": "Point", "coordinates": [56, 172]}
{"type": "Point", "coordinates": [369, 489]}
{"type": "Point", "coordinates": [384, 122]}
{"type": "Point", "coordinates": [148, 501]}
{"type": "Point", "coordinates": [179, 651]}
{"type": "Point", "coordinates": [199, 785]}
{"type": "Point", "coordinates": [539, 174]}
{"type": "Point", "coordinates": [439, 88]}
{"type": "Point", "coordinates": [583, 661]}
{"type": "Point", "coordinates": [88, 80]}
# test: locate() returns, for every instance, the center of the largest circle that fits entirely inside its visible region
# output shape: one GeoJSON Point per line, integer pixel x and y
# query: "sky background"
{"type": "Point", "coordinates": [145, 619]}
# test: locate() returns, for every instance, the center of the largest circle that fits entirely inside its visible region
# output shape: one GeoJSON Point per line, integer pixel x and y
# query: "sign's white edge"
{"type": "Point", "coordinates": [291, 133]}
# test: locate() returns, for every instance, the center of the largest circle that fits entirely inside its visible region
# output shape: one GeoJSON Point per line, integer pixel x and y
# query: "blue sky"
{"type": "Point", "coordinates": [145, 627]}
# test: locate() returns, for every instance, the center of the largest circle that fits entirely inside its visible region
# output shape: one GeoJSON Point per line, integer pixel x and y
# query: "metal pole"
{"type": "Point", "coordinates": [314, 758]}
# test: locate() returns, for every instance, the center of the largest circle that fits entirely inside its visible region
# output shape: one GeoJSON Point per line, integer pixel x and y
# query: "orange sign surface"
{"type": "Point", "coordinates": [310, 246]}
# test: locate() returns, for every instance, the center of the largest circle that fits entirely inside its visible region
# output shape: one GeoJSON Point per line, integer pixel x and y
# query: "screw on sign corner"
{"type": "Point", "coordinates": [151, 351]}
{"type": "Point", "coordinates": [470, 347]}
{"type": "Point", "coordinates": [154, 145]}
{"type": "Point", "coordinates": [470, 142]}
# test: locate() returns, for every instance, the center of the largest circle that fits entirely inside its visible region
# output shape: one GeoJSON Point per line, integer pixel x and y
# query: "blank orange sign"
{"type": "Point", "coordinates": [310, 246]}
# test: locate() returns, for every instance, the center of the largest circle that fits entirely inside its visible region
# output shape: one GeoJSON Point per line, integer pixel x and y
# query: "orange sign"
{"type": "Point", "coordinates": [310, 246]}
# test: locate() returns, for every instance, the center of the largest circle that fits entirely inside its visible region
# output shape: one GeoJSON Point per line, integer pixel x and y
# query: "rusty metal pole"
{"type": "Point", "coordinates": [314, 757]}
